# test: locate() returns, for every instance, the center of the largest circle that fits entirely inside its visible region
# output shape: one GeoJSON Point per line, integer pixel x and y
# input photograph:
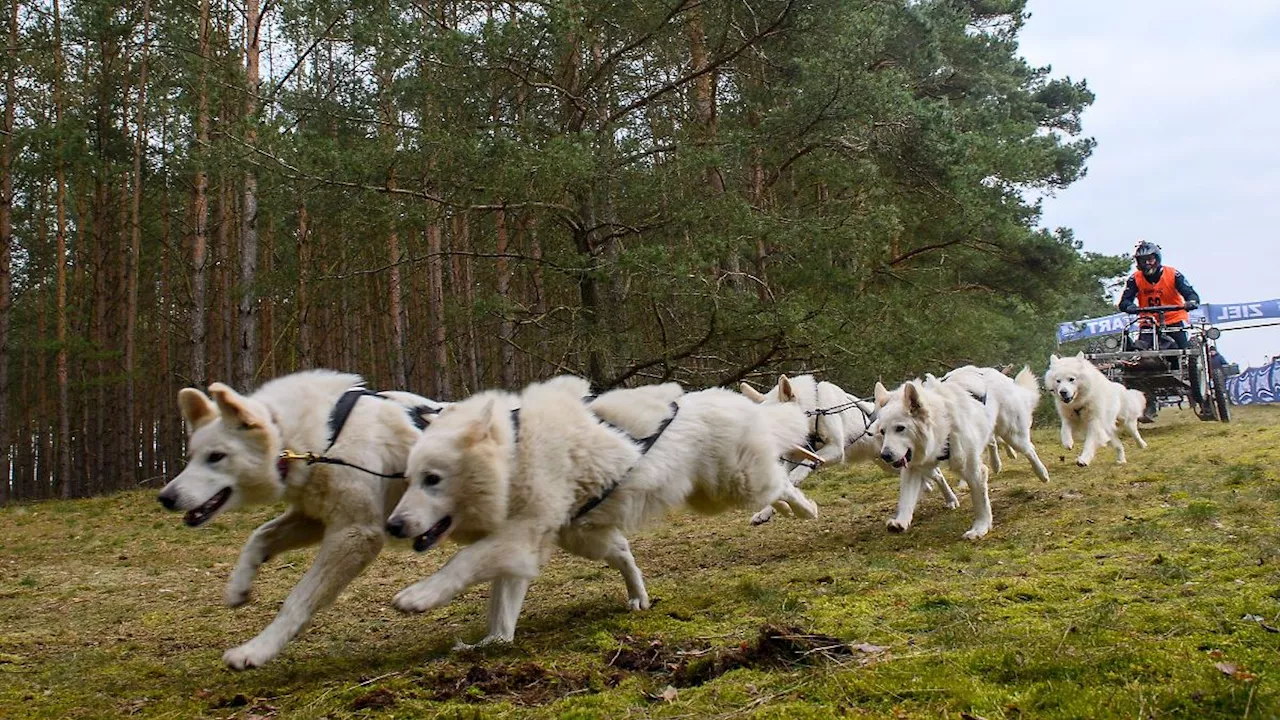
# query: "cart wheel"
{"type": "Point", "coordinates": [1220, 395]}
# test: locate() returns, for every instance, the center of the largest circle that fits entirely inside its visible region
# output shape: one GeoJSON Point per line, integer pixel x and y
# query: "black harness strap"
{"type": "Point", "coordinates": [342, 411]}
{"type": "Point", "coordinates": [868, 419]}
{"type": "Point", "coordinates": [338, 417]}
{"type": "Point", "coordinates": [645, 443]}
{"type": "Point", "coordinates": [800, 463]}
{"type": "Point", "coordinates": [419, 415]}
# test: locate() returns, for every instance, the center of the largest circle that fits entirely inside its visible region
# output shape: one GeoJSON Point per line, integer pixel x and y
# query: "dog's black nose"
{"type": "Point", "coordinates": [886, 456]}
{"type": "Point", "coordinates": [168, 502]}
{"type": "Point", "coordinates": [395, 527]}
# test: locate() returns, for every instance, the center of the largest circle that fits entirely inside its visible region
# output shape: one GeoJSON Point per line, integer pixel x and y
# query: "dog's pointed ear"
{"type": "Point", "coordinates": [1080, 354]}
{"type": "Point", "coordinates": [482, 428]}
{"type": "Point", "coordinates": [751, 393]}
{"type": "Point", "coordinates": [911, 398]}
{"type": "Point", "coordinates": [235, 408]}
{"type": "Point", "coordinates": [799, 454]}
{"type": "Point", "coordinates": [1054, 358]}
{"type": "Point", "coordinates": [786, 393]}
{"type": "Point", "coordinates": [882, 394]}
{"type": "Point", "coordinates": [197, 409]}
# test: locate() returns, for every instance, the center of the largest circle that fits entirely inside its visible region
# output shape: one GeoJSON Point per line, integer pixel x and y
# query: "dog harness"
{"type": "Point", "coordinates": [868, 419]}
{"type": "Point", "coordinates": [338, 417]}
{"type": "Point", "coordinates": [645, 443]}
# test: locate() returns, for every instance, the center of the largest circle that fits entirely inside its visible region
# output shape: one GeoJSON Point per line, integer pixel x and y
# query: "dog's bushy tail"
{"type": "Point", "coordinates": [1029, 386]}
{"type": "Point", "coordinates": [1027, 379]}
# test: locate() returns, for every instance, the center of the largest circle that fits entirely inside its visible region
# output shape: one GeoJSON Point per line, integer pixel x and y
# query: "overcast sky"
{"type": "Point", "coordinates": [1187, 119]}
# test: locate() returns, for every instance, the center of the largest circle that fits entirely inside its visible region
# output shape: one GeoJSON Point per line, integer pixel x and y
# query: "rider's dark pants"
{"type": "Point", "coordinates": [1178, 334]}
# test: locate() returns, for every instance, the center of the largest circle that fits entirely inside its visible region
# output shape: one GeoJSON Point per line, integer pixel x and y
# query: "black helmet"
{"type": "Point", "coordinates": [1141, 252]}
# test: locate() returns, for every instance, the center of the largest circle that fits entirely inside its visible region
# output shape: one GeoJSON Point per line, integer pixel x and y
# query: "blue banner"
{"type": "Point", "coordinates": [1256, 385]}
{"type": "Point", "coordinates": [1215, 313]}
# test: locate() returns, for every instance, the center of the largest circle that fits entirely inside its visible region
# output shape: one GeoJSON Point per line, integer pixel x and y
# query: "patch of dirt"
{"type": "Point", "coordinates": [523, 683]}
{"type": "Point", "coordinates": [380, 698]}
{"type": "Point", "coordinates": [774, 648]}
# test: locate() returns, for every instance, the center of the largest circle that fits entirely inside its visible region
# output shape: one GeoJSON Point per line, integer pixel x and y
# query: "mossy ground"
{"type": "Point", "coordinates": [1139, 591]}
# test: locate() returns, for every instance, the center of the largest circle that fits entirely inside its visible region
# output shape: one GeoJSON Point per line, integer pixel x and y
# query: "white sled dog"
{"type": "Point", "coordinates": [1090, 405]}
{"type": "Point", "coordinates": [1014, 403]}
{"type": "Point", "coordinates": [923, 424]}
{"type": "Point", "coordinates": [840, 429]}
{"type": "Point", "coordinates": [235, 448]}
{"type": "Point", "coordinates": [510, 485]}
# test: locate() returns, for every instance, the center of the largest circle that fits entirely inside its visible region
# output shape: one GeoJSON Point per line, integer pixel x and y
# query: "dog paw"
{"type": "Point", "coordinates": [637, 604]}
{"type": "Point", "coordinates": [952, 503]}
{"type": "Point", "coordinates": [486, 641]}
{"type": "Point", "coordinates": [248, 655]}
{"type": "Point", "coordinates": [762, 517]}
{"type": "Point", "coordinates": [419, 597]}
{"type": "Point", "coordinates": [1082, 463]}
{"type": "Point", "coordinates": [976, 532]}
{"type": "Point", "coordinates": [236, 594]}
{"type": "Point", "coordinates": [895, 526]}
{"type": "Point", "coordinates": [1069, 444]}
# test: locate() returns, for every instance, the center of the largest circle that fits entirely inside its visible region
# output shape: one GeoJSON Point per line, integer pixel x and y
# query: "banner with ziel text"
{"type": "Point", "coordinates": [1215, 313]}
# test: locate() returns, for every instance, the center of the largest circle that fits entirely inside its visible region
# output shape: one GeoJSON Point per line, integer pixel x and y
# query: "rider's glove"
{"type": "Point", "coordinates": [1130, 308]}
{"type": "Point", "coordinates": [1190, 305]}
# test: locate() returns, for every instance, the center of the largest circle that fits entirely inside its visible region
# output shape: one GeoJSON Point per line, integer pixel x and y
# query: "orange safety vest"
{"type": "Point", "coordinates": [1161, 292]}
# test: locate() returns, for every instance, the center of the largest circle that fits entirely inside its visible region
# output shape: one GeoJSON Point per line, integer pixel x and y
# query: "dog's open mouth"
{"type": "Point", "coordinates": [904, 460]}
{"type": "Point", "coordinates": [423, 542]}
{"type": "Point", "coordinates": [198, 516]}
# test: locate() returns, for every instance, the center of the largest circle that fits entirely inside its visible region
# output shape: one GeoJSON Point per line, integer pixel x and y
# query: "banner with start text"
{"type": "Point", "coordinates": [1256, 385]}
{"type": "Point", "coordinates": [1215, 313]}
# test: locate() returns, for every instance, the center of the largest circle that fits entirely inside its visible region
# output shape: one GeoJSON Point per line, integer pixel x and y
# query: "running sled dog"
{"type": "Point", "coordinates": [511, 477]}
{"type": "Point", "coordinates": [840, 429]}
{"type": "Point", "coordinates": [923, 424]}
{"type": "Point", "coordinates": [1013, 401]}
{"type": "Point", "coordinates": [1091, 405]}
{"type": "Point", "coordinates": [251, 450]}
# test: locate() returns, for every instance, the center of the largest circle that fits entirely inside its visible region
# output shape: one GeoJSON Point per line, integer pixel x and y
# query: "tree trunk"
{"type": "Point", "coordinates": [440, 386]}
{"type": "Point", "coordinates": [394, 307]}
{"type": "Point", "coordinates": [65, 484]}
{"type": "Point", "coordinates": [248, 326]}
{"type": "Point", "coordinates": [266, 328]}
{"type": "Point", "coordinates": [506, 330]}
{"type": "Point", "coordinates": [200, 239]}
{"type": "Point", "coordinates": [224, 364]}
{"type": "Point", "coordinates": [464, 289]}
{"type": "Point", "coordinates": [306, 355]}
{"type": "Point", "coordinates": [170, 421]}
{"type": "Point", "coordinates": [538, 291]}
{"type": "Point", "coordinates": [135, 238]}
{"type": "Point", "coordinates": [6, 248]}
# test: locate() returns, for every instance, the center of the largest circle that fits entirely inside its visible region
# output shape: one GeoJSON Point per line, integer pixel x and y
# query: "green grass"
{"type": "Point", "coordinates": [1140, 591]}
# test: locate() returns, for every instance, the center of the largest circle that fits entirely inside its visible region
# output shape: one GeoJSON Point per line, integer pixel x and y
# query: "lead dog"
{"type": "Point", "coordinates": [510, 486]}
{"type": "Point", "coordinates": [1014, 403]}
{"type": "Point", "coordinates": [923, 424]}
{"type": "Point", "coordinates": [840, 429]}
{"type": "Point", "coordinates": [234, 459]}
{"type": "Point", "coordinates": [1089, 404]}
